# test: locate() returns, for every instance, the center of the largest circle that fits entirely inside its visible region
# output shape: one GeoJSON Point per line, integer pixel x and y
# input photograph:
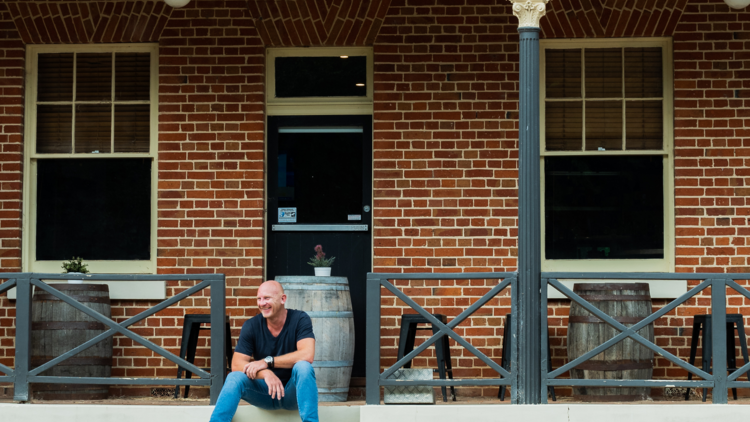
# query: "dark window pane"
{"type": "Point", "coordinates": [604, 207]}
{"type": "Point", "coordinates": [603, 125]}
{"type": "Point", "coordinates": [93, 128]}
{"type": "Point", "coordinates": [132, 125]}
{"type": "Point", "coordinates": [563, 73]}
{"type": "Point", "coordinates": [313, 171]}
{"type": "Point", "coordinates": [603, 73]}
{"type": "Point", "coordinates": [93, 76]}
{"type": "Point", "coordinates": [643, 72]}
{"type": "Point", "coordinates": [321, 77]}
{"type": "Point", "coordinates": [643, 125]}
{"type": "Point", "coordinates": [95, 209]}
{"type": "Point", "coordinates": [54, 128]}
{"type": "Point", "coordinates": [132, 76]}
{"type": "Point", "coordinates": [563, 126]}
{"type": "Point", "coordinates": [55, 79]}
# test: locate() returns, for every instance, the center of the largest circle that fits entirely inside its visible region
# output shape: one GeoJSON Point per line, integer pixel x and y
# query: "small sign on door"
{"type": "Point", "coordinates": [287, 215]}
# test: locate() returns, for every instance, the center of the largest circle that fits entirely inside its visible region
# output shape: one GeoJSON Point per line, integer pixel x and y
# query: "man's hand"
{"type": "Point", "coordinates": [275, 387]}
{"type": "Point", "coordinates": [251, 369]}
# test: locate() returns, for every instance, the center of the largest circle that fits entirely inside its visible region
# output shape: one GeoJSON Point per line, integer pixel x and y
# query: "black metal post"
{"type": "Point", "coordinates": [719, 328]}
{"type": "Point", "coordinates": [372, 358]}
{"type": "Point", "coordinates": [218, 340]}
{"type": "Point", "coordinates": [23, 338]}
{"type": "Point", "coordinates": [529, 225]}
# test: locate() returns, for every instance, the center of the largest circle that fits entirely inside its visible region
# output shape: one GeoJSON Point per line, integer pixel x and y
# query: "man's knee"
{"type": "Point", "coordinates": [234, 379]}
{"type": "Point", "coordinates": [303, 369]}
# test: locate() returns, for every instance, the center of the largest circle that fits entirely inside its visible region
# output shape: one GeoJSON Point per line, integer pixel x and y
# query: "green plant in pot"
{"type": "Point", "coordinates": [321, 264]}
{"type": "Point", "coordinates": [75, 266]}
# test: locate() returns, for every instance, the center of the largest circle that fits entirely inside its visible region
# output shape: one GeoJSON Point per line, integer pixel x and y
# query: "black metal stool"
{"type": "Point", "coordinates": [409, 327]}
{"type": "Point", "coordinates": [505, 359]}
{"type": "Point", "coordinates": [191, 328]}
{"type": "Point", "coordinates": [703, 322]}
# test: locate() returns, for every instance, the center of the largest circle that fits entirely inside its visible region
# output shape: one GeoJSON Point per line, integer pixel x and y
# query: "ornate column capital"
{"type": "Point", "coordinates": [529, 12]}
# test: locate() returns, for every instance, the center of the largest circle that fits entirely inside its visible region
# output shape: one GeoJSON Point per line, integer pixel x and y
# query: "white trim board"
{"type": "Point", "coordinates": [126, 290]}
{"type": "Point", "coordinates": [660, 289]}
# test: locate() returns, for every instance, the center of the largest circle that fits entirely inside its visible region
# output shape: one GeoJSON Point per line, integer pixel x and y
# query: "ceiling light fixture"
{"type": "Point", "coordinates": [344, 57]}
{"type": "Point", "coordinates": [360, 84]}
{"type": "Point", "coordinates": [737, 4]}
{"type": "Point", "coordinates": [177, 3]}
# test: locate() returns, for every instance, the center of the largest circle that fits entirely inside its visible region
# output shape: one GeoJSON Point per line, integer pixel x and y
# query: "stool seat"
{"type": "Point", "coordinates": [702, 324]}
{"type": "Point", "coordinates": [191, 328]}
{"type": "Point", "coordinates": [409, 327]}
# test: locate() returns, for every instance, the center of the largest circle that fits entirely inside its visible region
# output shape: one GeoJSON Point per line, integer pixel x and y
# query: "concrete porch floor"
{"type": "Point", "coordinates": [465, 409]}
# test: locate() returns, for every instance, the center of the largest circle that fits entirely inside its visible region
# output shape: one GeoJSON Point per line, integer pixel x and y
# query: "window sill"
{"type": "Point", "coordinates": [659, 289]}
{"type": "Point", "coordinates": [127, 290]}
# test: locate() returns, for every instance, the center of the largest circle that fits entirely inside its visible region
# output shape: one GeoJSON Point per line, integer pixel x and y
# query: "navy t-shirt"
{"type": "Point", "coordinates": [256, 340]}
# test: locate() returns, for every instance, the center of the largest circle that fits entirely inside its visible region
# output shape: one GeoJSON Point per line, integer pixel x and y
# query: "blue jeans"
{"type": "Point", "coordinates": [301, 392]}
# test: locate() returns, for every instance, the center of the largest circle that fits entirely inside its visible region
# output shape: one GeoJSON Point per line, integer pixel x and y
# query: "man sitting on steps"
{"type": "Point", "coordinates": [282, 345]}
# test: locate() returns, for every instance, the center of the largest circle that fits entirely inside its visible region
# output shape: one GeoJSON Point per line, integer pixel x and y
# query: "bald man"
{"type": "Point", "coordinates": [272, 363]}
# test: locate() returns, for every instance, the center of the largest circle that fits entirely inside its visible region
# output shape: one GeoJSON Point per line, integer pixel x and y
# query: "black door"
{"type": "Point", "coordinates": [320, 193]}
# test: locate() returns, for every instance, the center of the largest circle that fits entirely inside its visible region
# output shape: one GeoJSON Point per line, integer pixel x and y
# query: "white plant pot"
{"type": "Point", "coordinates": [76, 281]}
{"type": "Point", "coordinates": [322, 271]}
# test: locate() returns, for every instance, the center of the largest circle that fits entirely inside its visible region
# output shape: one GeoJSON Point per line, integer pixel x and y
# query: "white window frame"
{"type": "Point", "coordinates": [666, 264]}
{"type": "Point", "coordinates": [301, 106]}
{"type": "Point", "coordinates": [29, 261]}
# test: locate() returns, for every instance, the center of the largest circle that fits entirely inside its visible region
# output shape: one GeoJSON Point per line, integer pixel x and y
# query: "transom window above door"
{"type": "Point", "coordinates": [319, 80]}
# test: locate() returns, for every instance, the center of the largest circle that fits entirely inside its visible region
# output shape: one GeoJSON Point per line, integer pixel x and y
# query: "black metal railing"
{"type": "Point", "coordinates": [22, 374]}
{"type": "Point", "coordinates": [719, 381]}
{"type": "Point", "coordinates": [375, 379]}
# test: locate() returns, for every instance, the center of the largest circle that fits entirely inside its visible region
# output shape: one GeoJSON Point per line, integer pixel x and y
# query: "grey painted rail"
{"type": "Point", "coordinates": [22, 375]}
{"type": "Point", "coordinates": [375, 379]}
{"type": "Point", "coordinates": [718, 380]}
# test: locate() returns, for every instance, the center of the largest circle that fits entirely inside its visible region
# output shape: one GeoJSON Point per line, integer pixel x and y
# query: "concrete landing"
{"type": "Point", "coordinates": [656, 412]}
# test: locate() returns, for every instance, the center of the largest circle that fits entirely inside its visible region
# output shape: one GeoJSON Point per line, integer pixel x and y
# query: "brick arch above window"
{"type": "Point", "coordinates": [89, 22]}
{"type": "Point", "coordinates": [308, 23]}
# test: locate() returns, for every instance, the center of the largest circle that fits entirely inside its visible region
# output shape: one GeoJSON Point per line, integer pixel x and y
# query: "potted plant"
{"type": "Point", "coordinates": [321, 264]}
{"type": "Point", "coordinates": [75, 266]}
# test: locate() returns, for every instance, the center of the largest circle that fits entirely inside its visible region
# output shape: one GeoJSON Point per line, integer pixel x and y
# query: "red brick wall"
{"type": "Point", "coordinates": [12, 58]}
{"type": "Point", "coordinates": [445, 152]}
{"type": "Point", "coordinates": [445, 158]}
{"type": "Point", "coordinates": [211, 155]}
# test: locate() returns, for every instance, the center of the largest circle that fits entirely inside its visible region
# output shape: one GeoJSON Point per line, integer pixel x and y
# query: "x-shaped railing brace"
{"type": "Point", "coordinates": [631, 332]}
{"type": "Point", "coordinates": [447, 329]}
{"type": "Point", "coordinates": [117, 328]}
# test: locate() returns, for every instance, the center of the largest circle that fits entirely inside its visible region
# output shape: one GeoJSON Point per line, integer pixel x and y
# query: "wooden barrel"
{"type": "Point", "coordinates": [328, 303]}
{"type": "Point", "coordinates": [57, 328]}
{"type": "Point", "coordinates": [628, 303]}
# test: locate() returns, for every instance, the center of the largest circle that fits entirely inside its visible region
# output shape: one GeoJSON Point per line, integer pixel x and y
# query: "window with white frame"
{"type": "Point", "coordinates": [91, 150]}
{"type": "Point", "coordinates": [607, 165]}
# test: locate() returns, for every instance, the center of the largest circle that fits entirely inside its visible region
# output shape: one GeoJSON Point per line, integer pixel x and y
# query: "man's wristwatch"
{"type": "Point", "coordinates": [269, 361]}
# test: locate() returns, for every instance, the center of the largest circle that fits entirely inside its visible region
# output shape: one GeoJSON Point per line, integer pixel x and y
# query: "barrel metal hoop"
{"type": "Point", "coordinates": [618, 298]}
{"type": "Point", "coordinates": [333, 390]}
{"type": "Point", "coordinates": [68, 325]}
{"type": "Point", "coordinates": [315, 287]}
{"type": "Point", "coordinates": [595, 320]}
{"type": "Point", "coordinates": [310, 280]}
{"type": "Point", "coordinates": [332, 363]}
{"type": "Point", "coordinates": [619, 365]}
{"type": "Point", "coordinates": [330, 314]}
{"type": "Point", "coordinates": [91, 299]}
{"type": "Point", "coordinates": [578, 287]}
